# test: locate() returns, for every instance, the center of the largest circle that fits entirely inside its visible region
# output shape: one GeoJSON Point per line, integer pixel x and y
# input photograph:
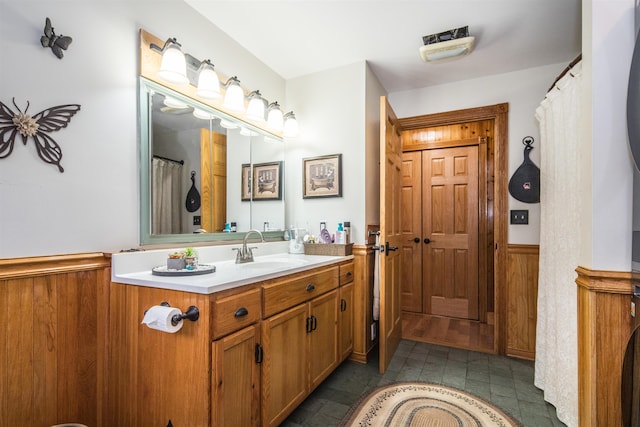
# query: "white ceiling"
{"type": "Point", "coordinates": [300, 37]}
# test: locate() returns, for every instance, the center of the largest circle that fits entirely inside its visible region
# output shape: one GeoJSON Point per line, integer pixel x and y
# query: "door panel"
{"type": "Point", "coordinates": [411, 283]}
{"type": "Point", "coordinates": [450, 260]}
{"type": "Point", "coordinates": [390, 232]}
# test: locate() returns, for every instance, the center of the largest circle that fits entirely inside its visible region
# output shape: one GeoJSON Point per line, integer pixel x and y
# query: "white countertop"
{"type": "Point", "coordinates": [270, 261]}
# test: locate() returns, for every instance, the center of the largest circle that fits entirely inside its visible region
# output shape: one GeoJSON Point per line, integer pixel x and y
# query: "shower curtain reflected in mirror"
{"type": "Point", "coordinates": [166, 197]}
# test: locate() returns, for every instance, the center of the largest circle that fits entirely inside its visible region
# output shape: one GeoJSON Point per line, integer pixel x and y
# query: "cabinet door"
{"type": "Point", "coordinates": [235, 386]}
{"type": "Point", "coordinates": [323, 339]}
{"type": "Point", "coordinates": [346, 321]}
{"type": "Point", "coordinates": [284, 367]}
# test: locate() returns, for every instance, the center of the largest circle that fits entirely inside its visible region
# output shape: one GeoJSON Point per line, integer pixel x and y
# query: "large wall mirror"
{"type": "Point", "coordinates": [202, 169]}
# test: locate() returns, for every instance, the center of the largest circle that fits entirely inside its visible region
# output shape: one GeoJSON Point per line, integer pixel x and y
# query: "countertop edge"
{"type": "Point", "coordinates": [181, 283]}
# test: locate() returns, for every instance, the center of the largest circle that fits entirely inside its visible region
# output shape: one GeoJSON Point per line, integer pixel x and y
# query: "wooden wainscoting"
{"type": "Point", "coordinates": [605, 325]}
{"type": "Point", "coordinates": [522, 300]}
{"type": "Point", "coordinates": [53, 319]}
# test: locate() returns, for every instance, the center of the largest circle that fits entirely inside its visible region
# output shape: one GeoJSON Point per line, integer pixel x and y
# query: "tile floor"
{"type": "Point", "coordinates": [504, 381]}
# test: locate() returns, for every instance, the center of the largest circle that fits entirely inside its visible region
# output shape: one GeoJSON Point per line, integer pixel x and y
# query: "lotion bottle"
{"type": "Point", "coordinates": [340, 234]}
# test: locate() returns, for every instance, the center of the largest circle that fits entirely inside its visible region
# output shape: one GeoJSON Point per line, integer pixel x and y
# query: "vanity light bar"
{"type": "Point", "coordinates": [194, 75]}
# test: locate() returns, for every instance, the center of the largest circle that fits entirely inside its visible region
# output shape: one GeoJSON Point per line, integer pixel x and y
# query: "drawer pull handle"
{"type": "Point", "coordinates": [310, 287]}
{"type": "Point", "coordinates": [349, 274]}
{"type": "Point", "coordinates": [241, 312]}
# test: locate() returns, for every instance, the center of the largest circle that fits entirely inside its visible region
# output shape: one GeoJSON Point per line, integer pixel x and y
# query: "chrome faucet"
{"type": "Point", "coordinates": [245, 254]}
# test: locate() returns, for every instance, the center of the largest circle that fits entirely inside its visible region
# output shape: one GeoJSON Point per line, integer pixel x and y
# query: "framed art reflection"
{"type": "Point", "coordinates": [267, 181]}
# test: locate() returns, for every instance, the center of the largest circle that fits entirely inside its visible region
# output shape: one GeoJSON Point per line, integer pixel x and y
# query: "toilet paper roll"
{"type": "Point", "coordinates": [159, 317]}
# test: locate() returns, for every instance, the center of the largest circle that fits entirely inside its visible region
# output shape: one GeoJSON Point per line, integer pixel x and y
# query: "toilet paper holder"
{"type": "Point", "coordinates": [192, 314]}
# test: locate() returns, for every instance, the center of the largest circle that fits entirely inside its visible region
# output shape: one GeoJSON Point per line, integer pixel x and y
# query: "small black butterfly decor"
{"type": "Point", "coordinates": [57, 43]}
{"type": "Point", "coordinates": [49, 120]}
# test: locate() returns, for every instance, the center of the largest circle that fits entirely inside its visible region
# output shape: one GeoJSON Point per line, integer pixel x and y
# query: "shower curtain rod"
{"type": "Point", "coordinates": [170, 160]}
{"type": "Point", "coordinates": [565, 71]}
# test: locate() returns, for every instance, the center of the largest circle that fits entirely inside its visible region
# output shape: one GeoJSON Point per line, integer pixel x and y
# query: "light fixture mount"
{"type": "Point", "coordinates": [447, 45]}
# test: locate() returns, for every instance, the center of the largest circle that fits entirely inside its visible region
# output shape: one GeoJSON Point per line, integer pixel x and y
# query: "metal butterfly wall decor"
{"type": "Point", "coordinates": [49, 120]}
{"type": "Point", "coordinates": [57, 43]}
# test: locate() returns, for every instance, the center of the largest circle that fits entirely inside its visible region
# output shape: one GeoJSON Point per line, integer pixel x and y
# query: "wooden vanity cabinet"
{"type": "Point", "coordinates": [252, 357]}
{"type": "Point", "coordinates": [300, 339]}
{"type": "Point", "coordinates": [345, 315]}
{"type": "Point", "coordinates": [236, 358]}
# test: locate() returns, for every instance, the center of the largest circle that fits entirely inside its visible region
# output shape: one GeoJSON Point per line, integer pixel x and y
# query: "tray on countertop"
{"type": "Point", "coordinates": [202, 269]}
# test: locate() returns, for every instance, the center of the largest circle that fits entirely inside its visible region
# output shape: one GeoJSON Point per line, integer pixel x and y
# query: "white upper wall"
{"type": "Point", "coordinates": [93, 205]}
{"type": "Point", "coordinates": [330, 107]}
{"type": "Point", "coordinates": [523, 90]}
{"type": "Point", "coordinates": [608, 41]}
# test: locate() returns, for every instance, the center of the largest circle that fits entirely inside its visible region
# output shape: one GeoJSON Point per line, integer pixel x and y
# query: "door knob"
{"type": "Point", "coordinates": [416, 239]}
{"type": "Point", "coordinates": [427, 240]}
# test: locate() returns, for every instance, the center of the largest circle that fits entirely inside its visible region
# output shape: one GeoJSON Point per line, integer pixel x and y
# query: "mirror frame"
{"type": "Point", "coordinates": [146, 89]}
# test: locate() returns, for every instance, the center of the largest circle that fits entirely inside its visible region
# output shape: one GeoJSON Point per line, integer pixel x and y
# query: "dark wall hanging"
{"type": "Point", "coordinates": [193, 197]}
{"type": "Point", "coordinates": [50, 120]}
{"type": "Point", "coordinates": [57, 43]}
{"type": "Point", "coordinates": [524, 185]}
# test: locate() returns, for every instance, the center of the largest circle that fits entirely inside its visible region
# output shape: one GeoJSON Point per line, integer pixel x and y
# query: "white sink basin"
{"type": "Point", "coordinates": [274, 263]}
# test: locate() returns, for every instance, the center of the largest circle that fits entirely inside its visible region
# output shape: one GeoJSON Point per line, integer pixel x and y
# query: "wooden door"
{"type": "Point", "coordinates": [213, 180]}
{"type": "Point", "coordinates": [411, 299]}
{"type": "Point", "coordinates": [323, 338]}
{"type": "Point", "coordinates": [285, 364]}
{"type": "Point", "coordinates": [346, 321]}
{"type": "Point", "coordinates": [450, 222]}
{"type": "Point", "coordinates": [235, 386]}
{"type": "Point", "coordinates": [390, 233]}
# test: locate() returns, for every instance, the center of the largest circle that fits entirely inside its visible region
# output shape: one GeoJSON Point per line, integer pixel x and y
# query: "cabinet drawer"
{"type": "Point", "coordinates": [346, 273]}
{"type": "Point", "coordinates": [282, 294]}
{"type": "Point", "coordinates": [233, 312]}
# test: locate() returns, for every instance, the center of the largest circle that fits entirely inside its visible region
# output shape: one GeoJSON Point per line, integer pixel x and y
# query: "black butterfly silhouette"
{"type": "Point", "coordinates": [55, 42]}
{"type": "Point", "coordinates": [49, 120]}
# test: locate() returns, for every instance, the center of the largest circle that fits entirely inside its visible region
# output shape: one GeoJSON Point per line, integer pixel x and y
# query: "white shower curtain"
{"type": "Point", "coordinates": [166, 201]}
{"type": "Point", "coordinates": [556, 364]}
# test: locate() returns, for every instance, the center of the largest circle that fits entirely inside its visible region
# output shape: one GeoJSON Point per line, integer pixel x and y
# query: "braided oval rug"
{"type": "Point", "coordinates": [425, 405]}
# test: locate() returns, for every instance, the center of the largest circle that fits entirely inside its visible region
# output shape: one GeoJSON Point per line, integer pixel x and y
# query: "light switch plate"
{"type": "Point", "coordinates": [519, 217]}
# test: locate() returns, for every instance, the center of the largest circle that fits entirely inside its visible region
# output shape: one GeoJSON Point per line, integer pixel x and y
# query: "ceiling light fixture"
{"type": "Point", "coordinates": [173, 67]}
{"type": "Point", "coordinates": [234, 96]}
{"type": "Point", "coordinates": [290, 125]}
{"type": "Point", "coordinates": [208, 82]}
{"type": "Point", "coordinates": [172, 102]}
{"type": "Point", "coordinates": [274, 118]}
{"type": "Point", "coordinates": [256, 107]}
{"type": "Point", "coordinates": [447, 45]}
{"type": "Point", "coordinates": [204, 115]}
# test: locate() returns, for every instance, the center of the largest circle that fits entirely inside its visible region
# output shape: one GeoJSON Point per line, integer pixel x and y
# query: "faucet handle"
{"type": "Point", "coordinates": [249, 254]}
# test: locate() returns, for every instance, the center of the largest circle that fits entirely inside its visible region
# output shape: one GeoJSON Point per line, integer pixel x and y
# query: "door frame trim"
{"type": "Point", "coordinates": [498, 113]}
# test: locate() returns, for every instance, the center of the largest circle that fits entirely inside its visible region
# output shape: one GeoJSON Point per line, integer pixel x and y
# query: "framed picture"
{"type": "Point", "coordinates": [267, 181]}
{"type": "Point", "coordinates": [322, 176]}
{"type": "Point", "coordinates": [246, 182]}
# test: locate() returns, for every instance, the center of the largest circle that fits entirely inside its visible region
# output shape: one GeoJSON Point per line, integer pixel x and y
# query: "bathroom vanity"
{"type": "Point", "coordinates": [268, 333]}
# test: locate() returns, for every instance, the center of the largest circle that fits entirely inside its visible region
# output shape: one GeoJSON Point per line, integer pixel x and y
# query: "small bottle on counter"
{"type": "Point", "coordinates": [234, 227]}
{"type": "Point", "coordinates": [347, 232]}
